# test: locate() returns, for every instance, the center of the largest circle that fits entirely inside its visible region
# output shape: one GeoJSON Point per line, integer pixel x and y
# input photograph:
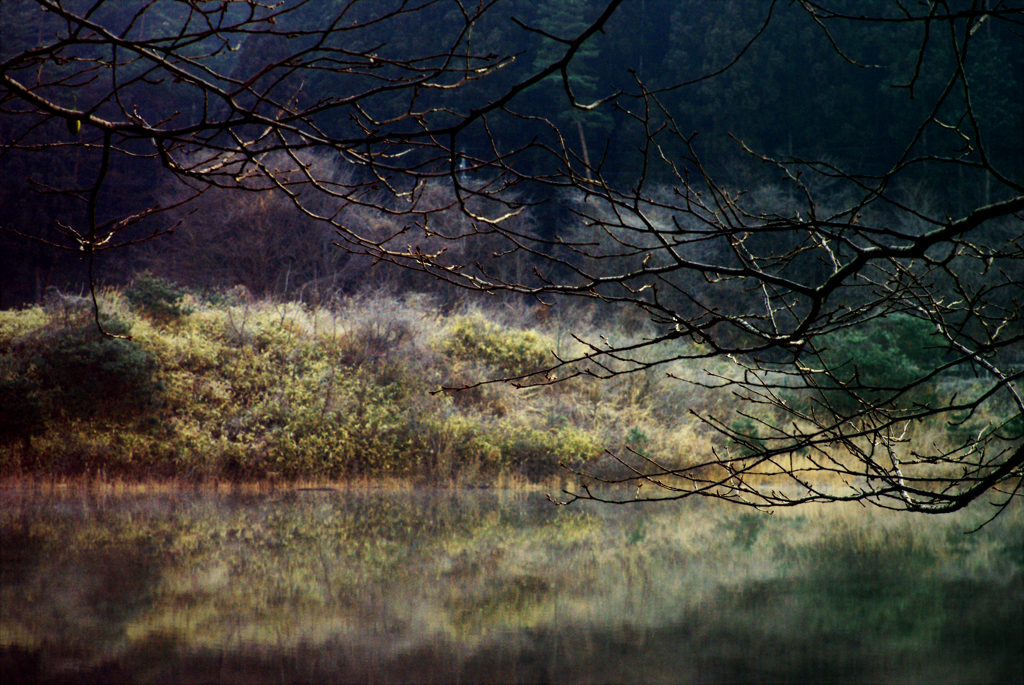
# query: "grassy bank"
{"type": "Point", "coordinates": [222, 387]}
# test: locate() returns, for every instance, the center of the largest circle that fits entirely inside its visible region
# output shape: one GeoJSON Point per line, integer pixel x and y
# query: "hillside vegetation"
{"type": "Point", "coordinates": [222, 386]}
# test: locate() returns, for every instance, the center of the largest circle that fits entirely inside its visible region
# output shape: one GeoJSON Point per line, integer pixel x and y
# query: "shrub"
{"type": "Point", "coordinates": [749, 432]}
{"type": "Point", "coordinates": [537, 453]}
{"type": "Point", "coordinates": [893, 351]}
{"type": "Point", "coordinates": [88, 374]}
{"type": "Point", "coordinates": [513, 352]}
{"type": "Point", "coordinates": [21, 413]}
{"type": "Point", "coordinates": [637, 440]}
{"type": "Point", "coordinates": [159, 299]}
{"type": "Point", "coordinates": [310, 443]}
{"type": "Point", "coordinates": [880, 357]}
{"type": "Point", "coordinates": [15, 324]}
{"type": "Point", "coordinates": [459, 443]}
{"type": "Point", "coordinates": [379, 425]}
{"type": "Point", "coordinates": [373, 341]}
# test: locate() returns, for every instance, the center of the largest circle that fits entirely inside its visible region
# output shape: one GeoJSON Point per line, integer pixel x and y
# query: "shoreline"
{"type": "Point", "coordinates": [49, 485]}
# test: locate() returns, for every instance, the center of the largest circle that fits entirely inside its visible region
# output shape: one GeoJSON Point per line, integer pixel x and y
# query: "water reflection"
{"type": "Point", "coordinates": [484, 586]}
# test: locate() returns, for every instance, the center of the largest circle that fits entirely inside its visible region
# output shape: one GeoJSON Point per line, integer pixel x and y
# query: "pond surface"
{"type": "Point", "coordinates": [405, 586]}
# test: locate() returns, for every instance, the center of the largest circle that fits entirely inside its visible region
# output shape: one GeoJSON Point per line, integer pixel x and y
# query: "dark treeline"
{"type": "Point", "coordinates": [791, 94]}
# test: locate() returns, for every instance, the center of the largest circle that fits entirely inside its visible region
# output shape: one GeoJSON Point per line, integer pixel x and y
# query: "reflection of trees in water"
{"type": "Point", "coordinates": [327, 586]}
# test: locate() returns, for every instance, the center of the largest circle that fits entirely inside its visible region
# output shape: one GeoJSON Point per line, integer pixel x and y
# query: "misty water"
{"type": "Point", "coordinates": [425, 586]}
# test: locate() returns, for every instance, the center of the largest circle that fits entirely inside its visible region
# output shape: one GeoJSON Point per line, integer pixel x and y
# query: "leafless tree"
{"type": "Point", "coordinates": [779, 285]}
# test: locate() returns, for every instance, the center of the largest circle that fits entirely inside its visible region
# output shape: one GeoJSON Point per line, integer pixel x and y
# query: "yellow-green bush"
{"type": "Point", "coordinates": [538, 452]}
{"type": "Point", "coordinates": [15, 323]}
{"type": "Point", "coordinates": [514, 352]}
